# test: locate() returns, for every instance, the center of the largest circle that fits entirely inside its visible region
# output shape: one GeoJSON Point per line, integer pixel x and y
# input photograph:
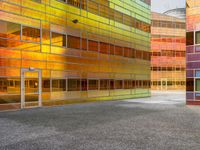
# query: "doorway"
{"type": "Point", "coordinates": [31, 88]}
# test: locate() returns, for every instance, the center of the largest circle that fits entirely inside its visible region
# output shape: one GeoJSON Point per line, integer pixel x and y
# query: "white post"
{"type": "Point", "coordinates": [22, 89]}
{"type": "Point", "coordinates": [40, 88]}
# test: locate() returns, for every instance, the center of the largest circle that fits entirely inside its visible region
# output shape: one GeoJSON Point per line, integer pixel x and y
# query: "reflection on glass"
{"type": "Point", "coordinates": [83, 84]}
{"type": "Point", "coordinates": [197, 84]}
{"type": "Point", "coordinates": [58, 39]}
{"type": "Point", "coordinates": [46, 85]}
{"type": "Point", "coordinates": [73, 84]}
{"type": "Point", "coordinates": [9, 30]}
{"type": "Point", "coordinates": [58, 85]}
{"type": "Point", "coordinates": [104, 84]}
{"type": "Point", "coordinates": [197, 37]}
{"type": "Point", "coordinates": [11, 86]}
{"type": "Point", "coordinates": [31, 34]}
{"type": "Point", "coordinates": [31, 85]}
{"type": "Point", "coordinates": [93, 84]}
{"type": "Point", "coordinates": [118, 84]}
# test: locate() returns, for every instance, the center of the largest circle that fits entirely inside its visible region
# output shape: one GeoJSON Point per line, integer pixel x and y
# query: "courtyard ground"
{"type": "Point", "coordinates": [162, 122]}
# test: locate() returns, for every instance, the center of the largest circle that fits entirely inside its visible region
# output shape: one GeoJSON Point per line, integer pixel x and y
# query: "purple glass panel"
{"type": "Point", "coordinates": [197, 48]}
{"type": "Point", "coordinates": [189, 73]}
{"type": "Point", "coordinates": [190, 49]}
{"type": "Point", "coordinates": [189, 96]}
{"type": "Point", "coordinates": [193, 65]}
{"type": "Point", "coordinates": [193, 57]}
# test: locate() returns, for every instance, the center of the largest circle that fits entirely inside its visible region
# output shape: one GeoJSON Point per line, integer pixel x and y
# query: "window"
{"type": "Point", "coordinates": [119, 51]}
{"type": "Point", "coordinates": [46, 85]}
{"type": "Point", "coordinates": [84, 44]}
{"type": "Point", "coordinates": [146, 55]}
{"type": "Point", "coordinates": [133, 53]}
{"type": "Point", "coordinates": [10, 30]}
{"type": "Point", "coordinates": [73, 85]}
{"type": "Point", "coordinates": [104, 11]}
{"type": "Point", "coordinates": [58, 39]}
{"type": "Point", "coordinates": [146, 84]}
{"type": "Point", "coordinates": [111, 85]}
{"type": "Point", "coordinates": [111, 13]}
{"type": "Point", "coordinates": [73, 42]}
{"type": "Point", "coordinates": [182, 82]}
{"type": "Point", "coordinates": [155, 23]}
{"type": "Point", "coordinates": [197, 37]}
{"type": "Point", "coordinates": [197, 74]}
{"type": "Point", "coordinates": [17, 83]}
{"type": "Point", "coordinates": [10, 83]}
{"type": "Point", "coordinates": [33, 84]}
{"type": "Point", "coordinates": [93, 46]}
{"type": "Point", "coordinates": [118, 84]}
{"type": "Point", "coordinates": [58, 85]}
{"type": "Point", "coordinates": [155, 83]}
{"type": "Point", "coordinates": [139, 84]}
{"type": "Point", "coordinates": [133, 84]}
{"type": "Point", "coordinates": [112, 49]}
{"type": "Point", "coordinates": [104, 48]}
{"type": "Point", "coordinates": [83, 84]}
{"type": "Point", "coordinates": [183, 54]}
{"type": "Point", "coordinates": [63, 0]}
{"type": "Point", "coordinates": [38, 1]}
{"type": "Point", "coordinates": [138, 54]}
{"type": "Point", "coordinates": [127, 20]}
{"type": "Point", "coordinates": [178, 83]}
{"type": "Point", "coordinates": [76, 3]}
{"type": "Point", "coordinates": [127, 84]}
{"type": "Point", "coordinates": [180, 54]}
{"type": "Point", "coordinates": [83, 4]}
{"type": "Point", "coordinates": [190, 38]}
{"type": "Point", "coordinates": [93, 84]}
{"type": "Point", "coordinates": [11, 86]}
{"type": "Point", "coordinates": [156, 53]}
{"type": "Point", "coordinates": [142, 26]}
{"type": "Point", "coordinates": [30, 34]}
{"type": "Point", "coordinates": [93, 7]}
{"type": "Point", "coordinates": [118, 16]}
{"type": "Point", "coordinates": [127, 52]}
{"type": "Point", "coordinates": [3, 85]}
{"type": "Point", "coordinates": [197, 85]}
{"type": "Point", "coordinates": [190, 84]}
{"type": "Point", "coordinates": [104, 84]}
{"type": "Point", "coordinates": [149, 84]}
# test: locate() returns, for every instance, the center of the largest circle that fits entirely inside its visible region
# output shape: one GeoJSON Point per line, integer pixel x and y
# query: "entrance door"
{"type": "Point", "coordinates": [163, 84]}
{"type": "Point", "coordinates": [31, 88]}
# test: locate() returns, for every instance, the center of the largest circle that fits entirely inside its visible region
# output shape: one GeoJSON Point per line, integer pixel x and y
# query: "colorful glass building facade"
{"type": "Point", "coordinates": [193, 53]}
{"type": "Point", "coordinates": [65, 51]}
{"type": "Point", "coordinates": [168, 52]}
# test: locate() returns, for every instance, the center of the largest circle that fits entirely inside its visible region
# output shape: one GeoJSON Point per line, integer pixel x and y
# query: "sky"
{"type": "Point", "coordinates": [164, 5]}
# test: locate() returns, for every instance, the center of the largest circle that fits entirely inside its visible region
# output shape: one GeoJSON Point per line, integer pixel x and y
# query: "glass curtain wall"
{"type": "Point", "coordinates": [86, 50]}
{"type": "Point", "coordinates": [168, 53]}
{"type": "Point", "coordinates": [192, 49]}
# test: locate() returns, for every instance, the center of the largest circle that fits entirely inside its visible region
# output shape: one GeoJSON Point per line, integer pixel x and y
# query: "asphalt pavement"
{"type": "Point", "coordinates": [162, 122]}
